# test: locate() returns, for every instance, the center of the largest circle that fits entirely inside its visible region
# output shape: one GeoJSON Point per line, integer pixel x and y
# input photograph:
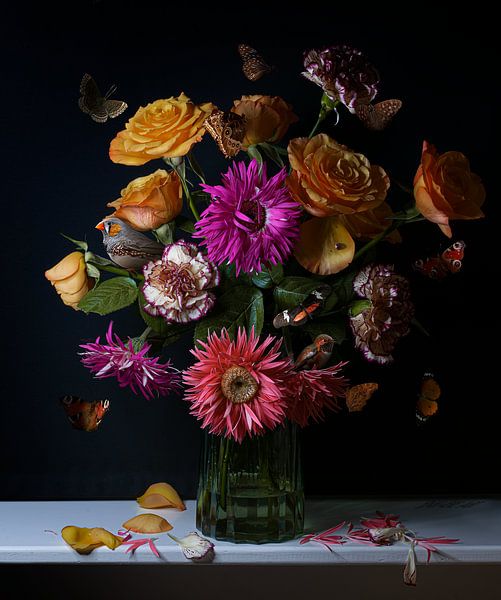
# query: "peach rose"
{"type": "Point", "coordinates": [267, 118]}
{"type": "Point", "coordinates": [446, 189]}
{"type": "Point", "coordinates": [161, 129]}
{"type": "Point", "coordinates": [150, 201]}
{"type": "Point", "coordinates": [370, 223]}
{"type": "Point", "coordinates": [70, 279]}
{"type": "Point", "coordinates": [329, 179]}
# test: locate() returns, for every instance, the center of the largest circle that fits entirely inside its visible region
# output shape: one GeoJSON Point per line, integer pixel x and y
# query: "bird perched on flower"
{"type": "Point", "coordinates": [127, 247]}
{"type": "Point", "coordinates": [317, 354]}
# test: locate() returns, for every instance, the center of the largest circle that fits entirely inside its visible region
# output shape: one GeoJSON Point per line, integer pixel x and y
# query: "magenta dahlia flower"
{"type": "Point", "coordinates": [311, 393]}
{"type": "Point", "coordinates": [237, 387]}
{"type": "Point", "coordinates": [175, 287]}
{"type": "Point", "coordinates": [251, 220]}
{"type": "Point", "coordinates": [132, 368]}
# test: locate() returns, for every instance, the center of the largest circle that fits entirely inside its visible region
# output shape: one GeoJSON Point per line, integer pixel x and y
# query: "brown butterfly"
{"type": "Point", "coordinates": [377, 116]}
{"type": "Point", "coordinates": [358, 395]}
{"type": "Point", "coordinates": [99, 107]}
{"type": "Point", "coordinates": [228, 129]}
{"type": "Point", "coordinates": [253, 64]}
{"type": "Point", "coordinates": [84, 415]}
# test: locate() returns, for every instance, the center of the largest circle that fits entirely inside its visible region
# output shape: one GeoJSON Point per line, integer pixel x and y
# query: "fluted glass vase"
{"type": "Point", "coordinates": [251, 492]}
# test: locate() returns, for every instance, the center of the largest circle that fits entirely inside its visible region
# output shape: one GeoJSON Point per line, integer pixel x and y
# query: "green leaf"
{"type": "Point", "coordinates": [185, 224]}
{"type": "Point", "coordinates": [175, 332]}
{"type": "Point", "coordinates": [78, 243]}
{"type": "Point", "coordinates": [272, 153]}
{"type": "Point", "coordinates": [267, 278]}
{"type": "Point", "coordinates": [336, 328]}
{"type": "Point", "coordinates": [228, 272]}
{"type": "Point", "coordinates": [158, 324]}
{"type": "Point", "coordinates": [109, 296]}
{"type": "Point", "coordinates": [343, 287]}
{"type": "Point", "coordinates": [165, 233]}
{"type": "Point", "coordinates": [98, 260]}
{"type": "Point", "coordinates": [169, 332]}
{"type": "Point", "coordinates": [240, 306]}
{"type": "Point", "coordinates": [330, 302]}
{"type": "Point", "coordinates": [358, 306]}
{"type": "Point", "coordinates": [93, 271]}
{"type": "Point", "coordinates": [253, 152]}
{"type": "Point", "coordinates": [292, 291]}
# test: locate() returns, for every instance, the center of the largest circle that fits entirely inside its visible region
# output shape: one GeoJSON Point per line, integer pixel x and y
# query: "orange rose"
{"type": "Point", "coordinates": [70, 279]}
{"type": "Point", "coordinates": [162, 129]}
{"type": "Point", "coordinates": [329, 179]}
{"type": "Point", "coordinates": [370, 223]}
{"type": "Point", "coordinates": [445, 188]}
{"type": "Point", "coordinates": [150, 201]}
{"type": "Point", "coordinates": [267, 118]}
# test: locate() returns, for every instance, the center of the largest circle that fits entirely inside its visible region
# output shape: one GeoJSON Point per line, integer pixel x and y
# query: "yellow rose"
{"type": "Point", "coordinates": [267, 118]}
{"type": "Point", "coordinates": [164, 128]}
{"type": "Point", "coordinates": [150, 201]}
{"type": "Point", "coordinates": [70, 279]}
{"type": "Point", "coordinates": [329, 179]}
{"type": "Point", "coordinates": [445, 188]}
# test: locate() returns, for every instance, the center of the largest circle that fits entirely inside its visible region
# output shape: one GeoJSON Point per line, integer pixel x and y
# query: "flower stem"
{"type": "Point", "coordinates": [118, 271]}
{"type": "Point", "coordinates": [225, 449]}
{"type": "Point", "coordinates": [195, 166]}
{"type": "Point", "coordinates": [321, 117]}
{"type": "Point", "coordinates": [395, 225]}
{"type": "Point", "coordinates": [179, 168]}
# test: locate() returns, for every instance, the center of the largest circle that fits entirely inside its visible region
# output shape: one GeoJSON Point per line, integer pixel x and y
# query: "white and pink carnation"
{"type": "Point", "coordinates": [176, 286]}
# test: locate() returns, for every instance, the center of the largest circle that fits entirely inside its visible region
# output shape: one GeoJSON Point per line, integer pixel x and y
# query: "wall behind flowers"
{"type": "Point", "coordinates": [58, 178]}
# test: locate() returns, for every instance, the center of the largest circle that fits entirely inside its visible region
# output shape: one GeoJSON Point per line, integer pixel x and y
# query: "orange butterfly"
{"type": "Point", "coordinates": [427, 402]}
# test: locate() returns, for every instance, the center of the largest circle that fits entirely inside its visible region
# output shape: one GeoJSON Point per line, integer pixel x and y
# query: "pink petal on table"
{"type": "Point", "coordinates": [153, 548]}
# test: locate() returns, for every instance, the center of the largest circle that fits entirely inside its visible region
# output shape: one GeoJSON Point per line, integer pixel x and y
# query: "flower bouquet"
{"type": "Point", "coordinates": [272, 268]}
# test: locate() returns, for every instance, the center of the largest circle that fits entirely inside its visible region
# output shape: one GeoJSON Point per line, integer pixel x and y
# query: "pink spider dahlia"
{"type": "Point", "coordinates": [252, 218]}
{"type": "Point", "coordinates": [237, 387]}
{"type": "Point", "coordinates": [312, 392]}
{"type": "Point", "coordinates": [132, 368]}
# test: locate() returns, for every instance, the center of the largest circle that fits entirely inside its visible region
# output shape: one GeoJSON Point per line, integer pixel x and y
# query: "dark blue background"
{"type": "Point", "coordinates": [57, 177]}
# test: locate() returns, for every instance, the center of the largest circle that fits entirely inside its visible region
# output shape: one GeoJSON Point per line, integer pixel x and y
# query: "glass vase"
{"type": "Point", "coordinates": [251, 492]}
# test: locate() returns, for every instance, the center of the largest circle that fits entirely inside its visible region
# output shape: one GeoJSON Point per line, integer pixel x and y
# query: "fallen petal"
{"type": "Point", "coordinates": [410, 569]}
{"type": "Point", "coordinates": [147, 523]}
{"type": "Point", "coordinates": [84, 540]}
{"type": "Point", "coordinates": [195, 547]}
{"type": "Point", "coordinates": [161, 495]}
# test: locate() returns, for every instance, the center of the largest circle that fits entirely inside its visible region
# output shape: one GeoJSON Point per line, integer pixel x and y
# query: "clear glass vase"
{"type": "Point", "coordinates": [251, 492]}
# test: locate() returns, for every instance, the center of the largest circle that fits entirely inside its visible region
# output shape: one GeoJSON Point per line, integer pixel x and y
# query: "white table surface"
{"type": "Point", "coordinates": [25, 533]}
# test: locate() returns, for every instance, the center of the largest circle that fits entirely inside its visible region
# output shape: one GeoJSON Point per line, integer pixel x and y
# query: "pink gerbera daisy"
{"type": "Point", "coordinates": [251, 220]}
{"type": "Point", "coordinates": [132, 368]}
{"type": "Point", "coordinates": [310, 393]}
{"type": "Point", "coordinates": [237, 387]}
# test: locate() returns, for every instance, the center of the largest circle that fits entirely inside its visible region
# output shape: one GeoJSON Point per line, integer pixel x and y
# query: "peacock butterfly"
{"type": "Point", "coordinates": [82, 414]}
{"type": "Point", "coordinates": [437, 267]}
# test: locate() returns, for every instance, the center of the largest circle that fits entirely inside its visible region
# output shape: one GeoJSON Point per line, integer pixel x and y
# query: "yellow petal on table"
{"type": "Point", "coordinates": [66, 267]}
{"type": "Point", "coordinates": [161, 495]}
{"type": "Point", "coordinates": [85, 540]}
{"type": "Point", "coordinates": [325, 246]}
{"type": "Point", "coordinates": [147, 523]}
